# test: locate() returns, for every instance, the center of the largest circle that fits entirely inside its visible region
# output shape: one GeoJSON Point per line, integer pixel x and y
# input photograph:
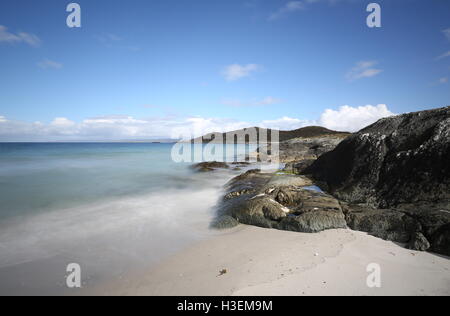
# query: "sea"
{"type": "Point", "coordinates": [109, 208]}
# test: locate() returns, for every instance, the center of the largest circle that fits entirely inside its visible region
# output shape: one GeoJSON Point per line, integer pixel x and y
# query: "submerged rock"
{"type": "Point", "coordinates": [210, 166]}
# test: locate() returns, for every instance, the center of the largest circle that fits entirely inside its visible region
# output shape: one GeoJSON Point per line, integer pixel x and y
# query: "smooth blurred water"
{"type": "Point", "coordinates": [110, 207]}
{"type": "Point", "coordinates": [42, 177]}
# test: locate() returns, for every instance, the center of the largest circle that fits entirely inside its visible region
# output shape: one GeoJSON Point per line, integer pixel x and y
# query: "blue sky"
{"type": "Point", "coordinates": [139, 68]}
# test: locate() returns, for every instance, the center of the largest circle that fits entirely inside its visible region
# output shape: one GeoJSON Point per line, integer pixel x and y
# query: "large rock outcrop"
{"type": "Point", "coordinates": [394, 179]}
{"type": "Point", "coordinates": [391, 180]}
{"type": "Point", "coordinates": [278, 201]}
{"type": "Point", "coordinates": [401, 159]}
{"type": "Point", "coordinates": [300, 149]}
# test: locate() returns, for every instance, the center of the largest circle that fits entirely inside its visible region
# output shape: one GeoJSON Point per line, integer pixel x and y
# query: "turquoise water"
{"type": "Point", "coordinates": [110, 207]}
{"type": "Point", "coordinates": [42, 177]}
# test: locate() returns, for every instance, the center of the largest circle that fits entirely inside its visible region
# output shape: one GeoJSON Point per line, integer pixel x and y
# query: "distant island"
{"type": "Point", "coordinates": [305, 132]}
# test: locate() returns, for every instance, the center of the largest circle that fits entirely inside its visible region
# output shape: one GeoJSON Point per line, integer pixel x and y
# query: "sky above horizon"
{"type": "Point", "coordinates": [163, 69]}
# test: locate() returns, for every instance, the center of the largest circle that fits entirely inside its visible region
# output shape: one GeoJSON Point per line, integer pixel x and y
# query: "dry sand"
{"type": "Point", "coordinates": [270, 262]}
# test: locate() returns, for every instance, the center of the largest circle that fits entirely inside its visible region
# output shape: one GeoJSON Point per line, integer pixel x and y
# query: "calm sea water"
{"type": "Point", "coordinates": [109, 207]}
{"type": "Point", "coordinates": [42, 177]}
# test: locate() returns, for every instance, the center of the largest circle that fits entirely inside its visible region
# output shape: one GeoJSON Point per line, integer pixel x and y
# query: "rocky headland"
{"type": "Point", "coordinates": [390, 180]}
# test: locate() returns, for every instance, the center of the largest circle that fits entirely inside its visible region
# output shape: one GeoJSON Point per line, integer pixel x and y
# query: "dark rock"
{"type": "Point", "coordinates": [254, 210]}
{"type": "Point", "coordinates": [301, 149]}
{"type": "Point", "coordinates": [210, 166]}
{"type": "Point", "coordinates": [400, 167]}
{"type": "Point", "coordinates": [298, 167]}
{"type": "Point", "coordinates": [280, 202]}
{"type": "Point", "coordinates": [242, 163]}
{"type": "Point", "coordinates": [224, 222]}
{"type": "Point", "coordinates": [441, 240]}
{"type": "Point", "coordinates": [314, 221]}
{"type": "Point", "coordinates": [419, 242]}
{"type": "Point", "coordinates": [402, 159]}
{"type": "Point", "coordinates": [390, 225]}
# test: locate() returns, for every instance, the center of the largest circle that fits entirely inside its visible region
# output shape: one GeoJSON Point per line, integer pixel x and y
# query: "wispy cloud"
{"type": "Point", "coordinates": [288, 8]}
{"type": "Point", "coordinates": [447, 33]}
{"type": "Point", "coordinates": [20, 37]}
{"type": "Point", "coordinates": [108, 38]}
{"type": "Point", "coordinates": [235, 72]}
{"type": "Point", "coordinates": [444, 55]}
{"type": "Point", "coordinates": [363, 69]}
{"type": "Point", "coordinates": [113, 40]}
{"type": "Point", "coordinates": [443, 80]}
{"type": "Point", "coordinates": [252, 103]}
{"type": "Point", "coordinates": [49, 64]}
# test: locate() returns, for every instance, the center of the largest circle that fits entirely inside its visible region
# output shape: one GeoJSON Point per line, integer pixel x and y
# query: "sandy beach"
{"type": "Point", "coordinates": [247, 261]}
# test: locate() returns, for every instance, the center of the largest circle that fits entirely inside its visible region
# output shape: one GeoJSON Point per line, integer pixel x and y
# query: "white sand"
{"type": "Point", "coordinates": [270, 262]}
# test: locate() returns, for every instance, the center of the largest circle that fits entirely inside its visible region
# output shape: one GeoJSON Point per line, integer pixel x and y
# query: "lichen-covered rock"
{"type": "Point", "coordinates": [314, 221]}
{"type": "Point", "coordinates": [224, 222]}
{"type": "Point", "coordinates": [419, 242]}
{"type": "Point", "coordinates": [280, 202]}
{"type": "Point", "coordinates": [254, 210]}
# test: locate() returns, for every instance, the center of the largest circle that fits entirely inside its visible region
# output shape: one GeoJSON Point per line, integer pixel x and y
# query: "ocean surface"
{"type": "Point", "coordinates": [109, 207]}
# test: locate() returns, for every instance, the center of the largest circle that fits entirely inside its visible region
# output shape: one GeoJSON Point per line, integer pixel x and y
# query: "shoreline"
{"type": "Point", "coordinates": [266, 262]}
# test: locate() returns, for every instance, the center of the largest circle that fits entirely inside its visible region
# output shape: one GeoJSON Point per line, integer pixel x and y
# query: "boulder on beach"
{"type": "Point", "coordinates": [282, 202]}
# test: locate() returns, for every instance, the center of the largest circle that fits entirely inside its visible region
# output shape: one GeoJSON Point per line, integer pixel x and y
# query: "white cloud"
{"type": "Point", "coordinates": [291, 7]}
{"type": "Point", "coordinates": [49, 64]}
{"type": "Point", "coordinates": [235, 72]}
{"type": "Point", "coordinates": [363, 69]}
{"type": "Point", "coordinates": [444, 55]}
{"type": "Point", "coordinates": [116, 127]}
{"type": "Point", "coordinates": [263, 102]}
{"type": "Point", "coordinates": [21, 37]}
{"type": "Point", "coordinates": [286, 123]}
{"type": "Point", "coordinates": [443, 80]}
{"type": "Point", "coordinates": [62, 122]}
{"type": "Point", "coordinates": [353, 119]}
{"type": "Point", "coordinates": [447, 33]}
